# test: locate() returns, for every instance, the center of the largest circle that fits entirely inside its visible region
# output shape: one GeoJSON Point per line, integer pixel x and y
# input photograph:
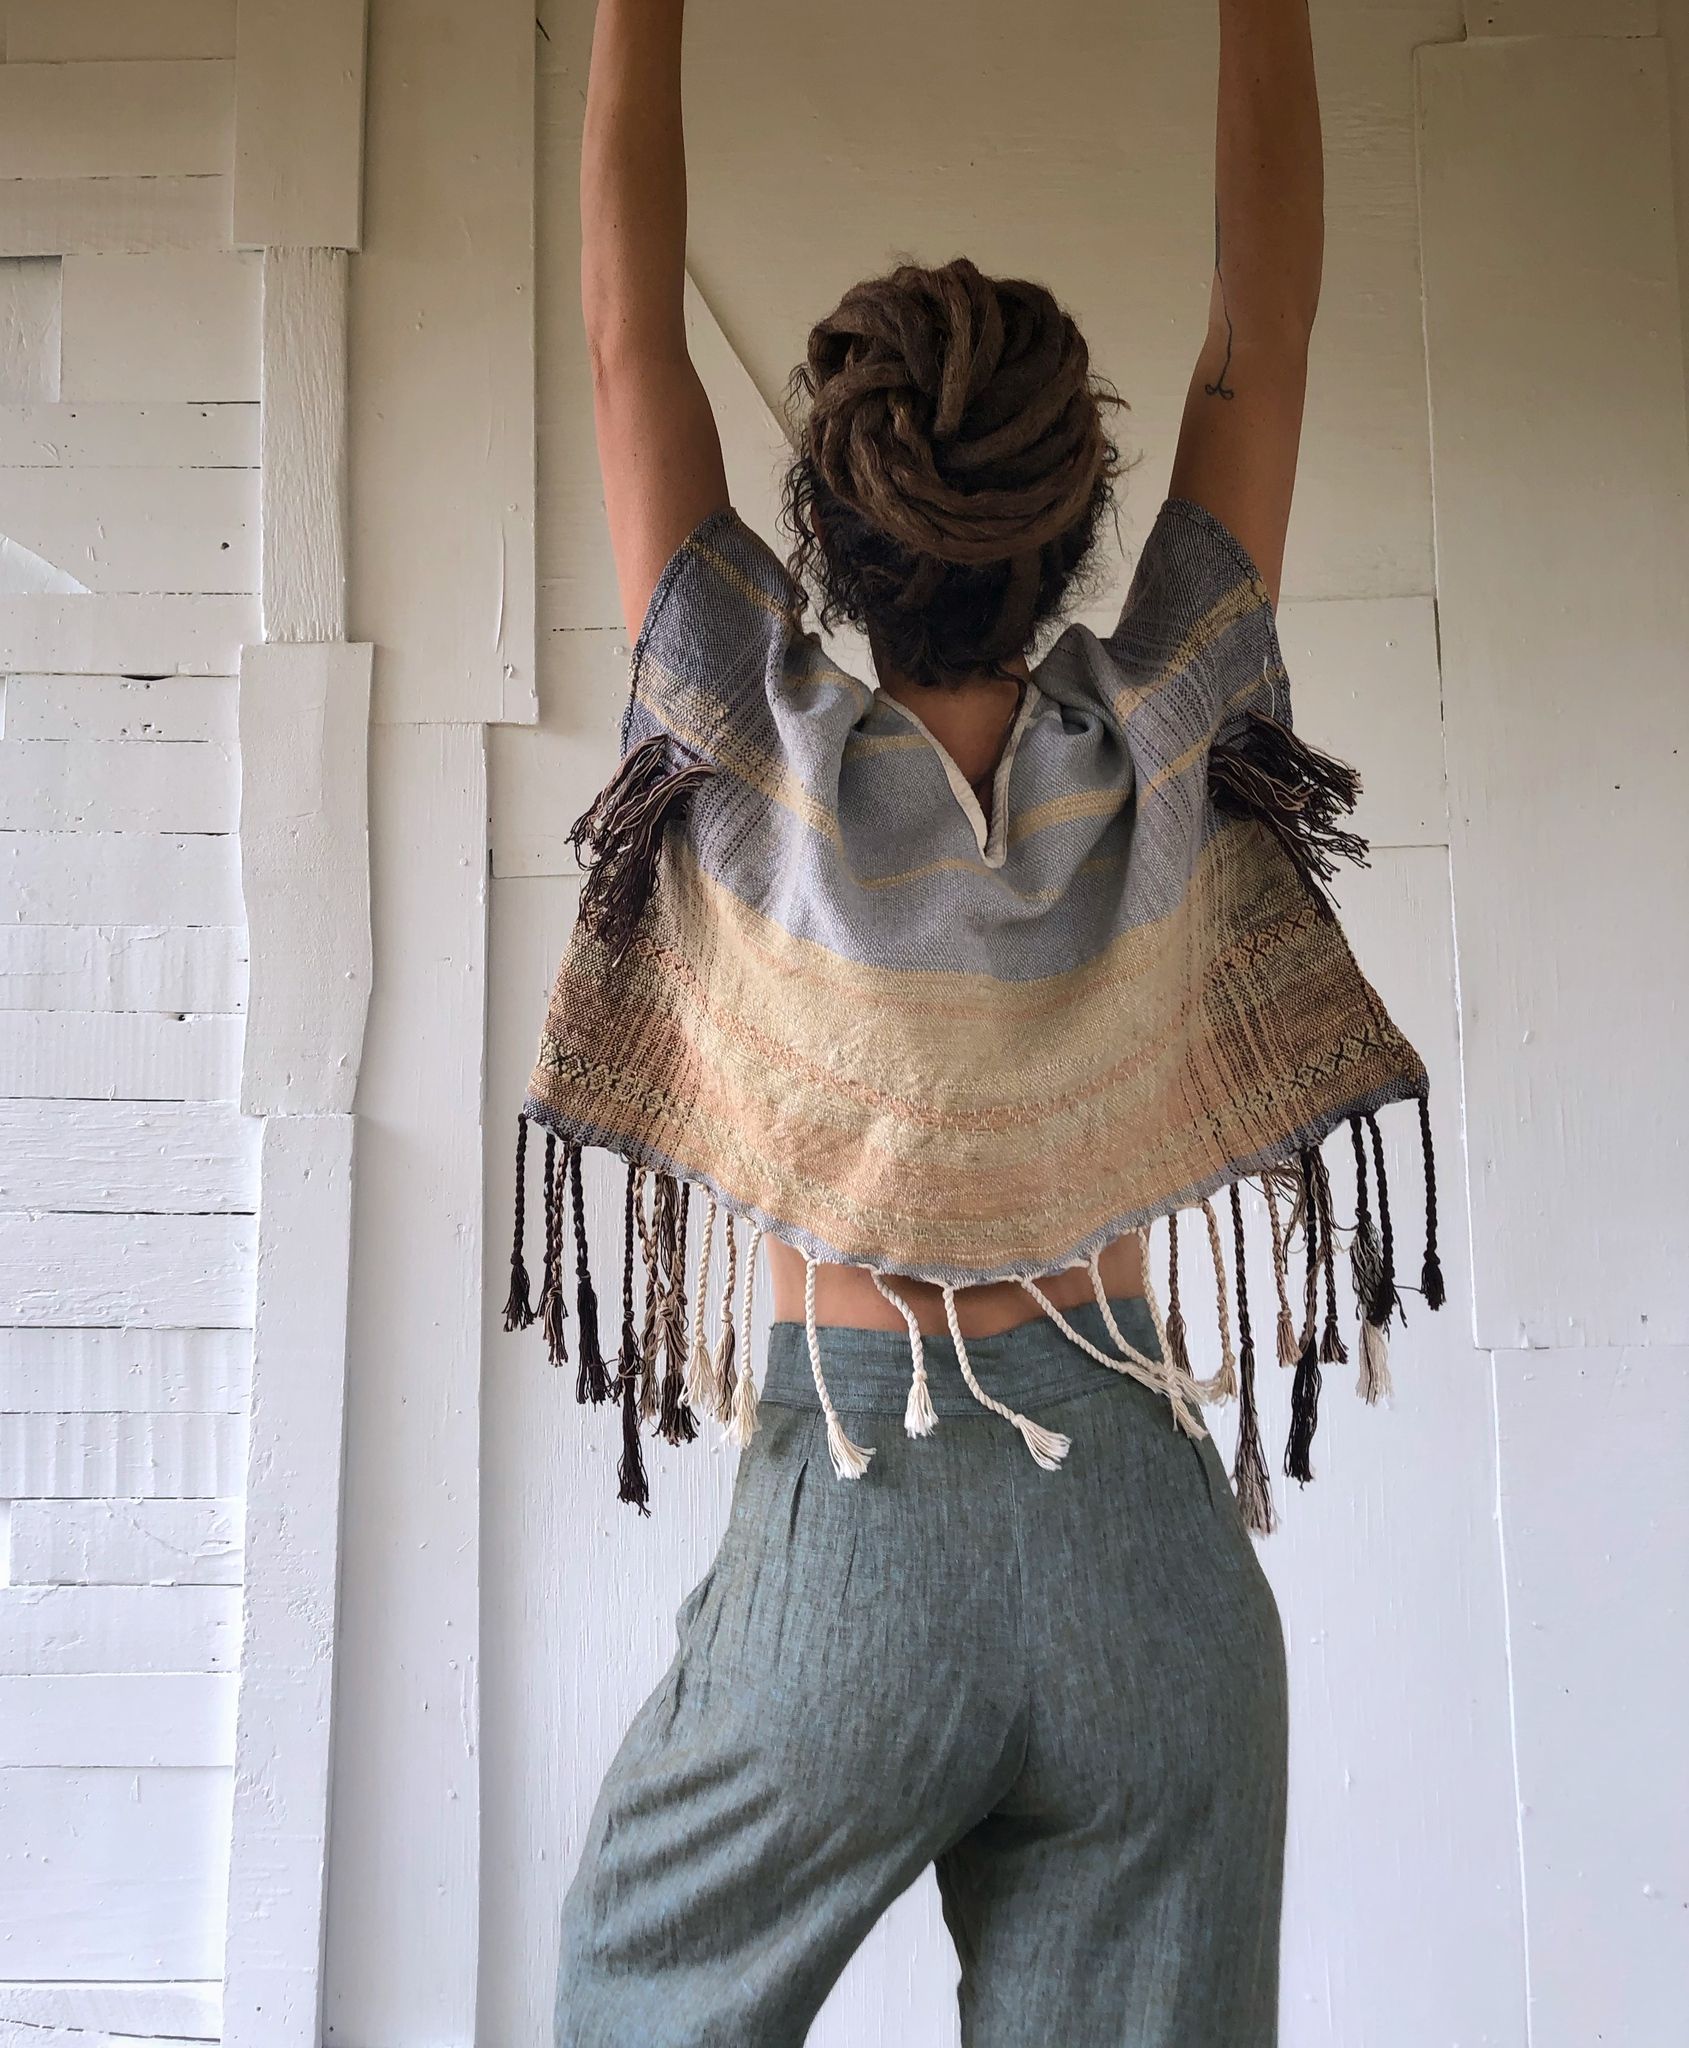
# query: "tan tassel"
{"type": "Point", "coordinates": [722, 1375]}
{"type": "Point", "coordinates": [850, 1460]}
{"type": "Point", "coordinates": [1223, 1385]}
{"type": "Point", "coordinates": [745, 1393]}
{"type": "Point", "coordinates": [698, 1387]}
{"type": "Point", "coordinates": [1286, 1343]}
{"type": "Point", "coordinates": [1373, 1381]}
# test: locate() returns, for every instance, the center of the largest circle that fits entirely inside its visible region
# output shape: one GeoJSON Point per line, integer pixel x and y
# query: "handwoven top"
{"type": "Point", "coordinates": [894, 1038]}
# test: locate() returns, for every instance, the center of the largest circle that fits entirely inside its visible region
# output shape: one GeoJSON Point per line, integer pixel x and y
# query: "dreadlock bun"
{"type": "Point", "coordinates": [954, 458]}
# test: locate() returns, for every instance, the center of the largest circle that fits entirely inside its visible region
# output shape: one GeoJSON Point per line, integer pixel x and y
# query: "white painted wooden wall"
{"type": "Point", "coordinates": [299, 698]}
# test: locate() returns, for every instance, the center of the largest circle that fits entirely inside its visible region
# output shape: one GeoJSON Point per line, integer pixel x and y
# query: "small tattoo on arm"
{"type": "Point", "coordinates": [1219, 388]}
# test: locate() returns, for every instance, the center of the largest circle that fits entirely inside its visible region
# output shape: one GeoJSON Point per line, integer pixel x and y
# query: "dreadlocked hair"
{"type": "Point", "coordinates": [953, 466]}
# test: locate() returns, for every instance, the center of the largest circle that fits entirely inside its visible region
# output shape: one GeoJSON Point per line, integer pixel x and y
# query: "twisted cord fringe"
{"type": "Point", "coordinates": [850, 1460]}
{"type": "Point", "coordinates": [1048, 1446]}
{"type": "Point", "coordinates": [919, 1416]}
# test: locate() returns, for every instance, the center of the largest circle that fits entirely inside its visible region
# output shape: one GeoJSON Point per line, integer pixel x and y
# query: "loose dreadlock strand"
{"type": "Point", "coordinates": [552, 1311]}
{"type": "Point", "coordinates": [1333, 1350]}
{"type": "Point", "coordinates": [1178, 1350]}
{"type": "Point", "coordinates": [592, 1380]}
{"type": "Point", "coordinates": [676, 1423]}
{"type": "Point", "coordinates": [1250, 1482]}
{"type": "Point", "coordinates": [1431, 1275]}
{"type": "Point", "coordinates": [1386, 1302]}
{"type": "Point", "coordinates": [1305, 1389]}
{"type": "Point", "coordinates": [518, 1309]}
{"type": "Point", "coordinates": [633, 1486]}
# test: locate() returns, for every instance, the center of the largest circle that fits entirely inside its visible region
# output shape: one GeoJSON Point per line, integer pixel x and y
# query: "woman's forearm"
{"type": "Point", "coordinates": [1269, 182]}
{"type": "Point", "coordinates": [633, 180]}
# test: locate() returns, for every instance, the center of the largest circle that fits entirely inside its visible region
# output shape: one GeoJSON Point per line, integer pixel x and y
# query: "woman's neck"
{"type": "Point", "coordinates": [971, 721]}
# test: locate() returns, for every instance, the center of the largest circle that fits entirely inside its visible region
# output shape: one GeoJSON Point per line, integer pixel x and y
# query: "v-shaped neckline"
{"type": "Point", "coordinates": [991, 835]}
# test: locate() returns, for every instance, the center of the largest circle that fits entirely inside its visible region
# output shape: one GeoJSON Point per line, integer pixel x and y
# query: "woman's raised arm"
{"type": "Point", "coordinates": [1242, 423]}
{"type": "Point", "coordinates": [658, 450]}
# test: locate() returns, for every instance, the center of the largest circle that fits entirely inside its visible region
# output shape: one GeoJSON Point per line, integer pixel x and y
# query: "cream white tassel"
{"type": "Point", "coordinates": [698, 1357]}
{"type": "Point", "coordinates": [743, 1422]}
{"type": "Point", "coordinates": [1048, 1446]}
{"type": "Point", "coordinates": [1160, 1379]}
{"type": "Point", "coordinates": [919, 1416]}
{"type": "Point", "coordinates": [1150, 1295]}
{"type": "Point", "coordinates": [1374, 1381]}
{"type": "Point", "coordinates": [850, 1460]}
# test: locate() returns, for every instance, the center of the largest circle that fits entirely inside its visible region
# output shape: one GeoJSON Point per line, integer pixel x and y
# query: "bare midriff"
{"type": "Point", "coordinates": [845, 1296]}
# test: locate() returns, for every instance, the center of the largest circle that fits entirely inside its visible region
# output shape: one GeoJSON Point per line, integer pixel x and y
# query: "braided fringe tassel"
{"type": "Point", "coordinates": [698, 1364]}
{"type": "Point", "coordinates": [1178, 1351]}
{"type": "Point", "coordinates": [1333, 1350]}
{"type": "Point", "coordinates": [850, 1460]}
{"type": "Point", "coordinates": [722, 1372]}
{"type": "Point", "coordinates": [1285, 1337]}
{"type": "Point", "coordinates": [1223, 1385]}
{"type": "Point", "coordinates": [1249, 1464]}
{"type": "Point", "coordinates": [744, 1420]}
{"type": "Point", "coordinates": [1431, 1275]}
{"type": "Point", "coordinates": [632, 1483]}
{"type": "Point", "coordinates": [919, 1416]}
{"type": "Point", "coordinates": [648, 1333]}
{"type": "Point", "coordinates": [1305, 1389]}
{"type": "Point", "coordinates": [518, 1309]}
{"type": "Point", "coordinates": [1366, 1270]}
{"type": "Point", "coordinates": [592, 1381]}
{"type": "Point", "coordinates": [552, 1311]}
{"type": "Point", "coordinates": [676, 1424]}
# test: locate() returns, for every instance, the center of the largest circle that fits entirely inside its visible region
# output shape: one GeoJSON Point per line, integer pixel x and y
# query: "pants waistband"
{"type": "Point", "coordinates": [1033, 1364]}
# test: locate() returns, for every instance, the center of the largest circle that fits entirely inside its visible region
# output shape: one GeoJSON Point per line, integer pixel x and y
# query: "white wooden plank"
{"type": "Point", "coordinates": [80, 31]}
{"type": "Point", "coordinates": [89, 434]}
{"type": "Point", "coordinates": [70, 707]}
{"type": "Point", "coordinates": [122, 967]}
{"type": "Point", "coordinates": [85, 1456]}
{"type": "Point", "coordinates": [162, 2015]}
{"type": "Point", "coordinates": [304, 847]}
{"type": "Point", "coordinates": [100, 121]}
{"type": "Point", "coordinates": [446, 492]}
{"type": "Point", "coordinates": [126, 1543]}
{"type": "Point", "coordinates": [161, 1272]}
{"type": "Point", "coordinates": [73, 1629]}
{"type": "Point", "coordinates": [126, 530]}
{"type": "Point", "coordinates": [1562, 17]}
{"type": "Point", "coordinates": [112, 216]}
{"type": "Point", "coordinates": [113, 1371]}
{"type": "Point", "coordinates": [1592, 1501]}
{"type": "Point", "coordinates": [127, 1156]}
{"type": "Point", "coordinates": [117, 786]}
{"type": "Point", "coordinates": [118, 1722]}
{"type": "Point", "coordinates": [114, 1054]}
{"type": "Point", "coordinates": [138, 328]}
{"type": "Point", "coordinates": [117, 1871]}
{"type": "Point", "coordinates": [1559, 786]}
{"type": "Point", "coordinates": [300, 70]}
{"type": "Point", "coordinates": [29, 331]}
{"type": "Point", "coordinates": [403, 1933]}
{"type": "Point", "coordinates": [142, 636]}
{"type": "Point", "coordinates": [120, 877]}
{"type": "Point", "coordinates": [304, 579]}
{"type": "Point", "coordinates": [277, 1861]}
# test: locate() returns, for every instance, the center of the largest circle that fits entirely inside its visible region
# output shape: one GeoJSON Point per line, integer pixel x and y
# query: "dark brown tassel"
{"type": "Point", "coordinates": [518, 1309]}
{"type": "Point", "coordinates": [1178, 1351]}
{"type": "Point", "coordinates": [676, 1423]}
{"type": "Point", "coordinates": [552, 1311]}
{"type": "Point", "coordinates": [1298, 793]}
{"type": "Point", "coordinates": [592, 1382]}
{"type": "Point", "coordinates": [1431, 1275]}
{"type": "Point", "coordinates": [1333, 1350]}
{"type": "Point", "coordinates": [1305, 1389]}
{"type": "Point", "coordinates": [633, 1486]}
{"type": "Point", "coordinates": [1249, 1467]}
{"type": "Point", "coordinates": [1366, 1257]}
{"type": "Point", "coordinates": [653, 1303]}
{"type": "Point", "coordinates": [618, 839]}
{"type": "Point", "coordinates": [1385, 1302]}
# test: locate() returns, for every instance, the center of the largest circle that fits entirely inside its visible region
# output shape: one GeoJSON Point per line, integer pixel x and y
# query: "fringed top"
{"type": "Point", "coordinates": [810, 986]}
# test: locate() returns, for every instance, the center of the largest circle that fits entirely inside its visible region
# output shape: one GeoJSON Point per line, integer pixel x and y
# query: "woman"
{"type": "Point", "coordinates": [1059, 1680]}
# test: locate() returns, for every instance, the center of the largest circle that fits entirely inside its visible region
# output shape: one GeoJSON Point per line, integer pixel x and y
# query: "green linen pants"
{"type": "Point", "coordinates": [1064, 1689]}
